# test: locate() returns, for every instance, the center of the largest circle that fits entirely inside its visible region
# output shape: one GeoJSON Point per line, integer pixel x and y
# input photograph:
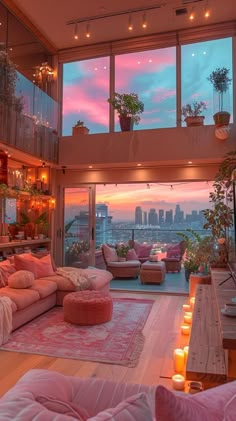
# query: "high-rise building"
{"type": "Point", "coordinates": [138, 215]}
{"type": "Point", "coordinates": [169, 216]}
{"type": "Point", "coordinates": [179, 215]}
{"type": "Point", "coordinates": [152, 217]}
{"type": "Point", "coordinates": [161, 216]}
{"type": "Point", "coordinates": [145, 218]}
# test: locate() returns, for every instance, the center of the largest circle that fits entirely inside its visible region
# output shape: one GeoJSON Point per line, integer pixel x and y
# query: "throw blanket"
{"type": "Point", "coordinates": [78, 277]}
{"type": "Point", "coordinates": [5, 319]}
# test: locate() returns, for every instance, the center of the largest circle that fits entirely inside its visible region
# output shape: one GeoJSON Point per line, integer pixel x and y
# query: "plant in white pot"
{"type": "Point", "coordinates": [128, 107]}
{"type": "Point", "coordinates": [220, 80]}
{"type": "Point", "coordinates": [192, 113]}
{"type": "Point", "coordinates": [79, 128]}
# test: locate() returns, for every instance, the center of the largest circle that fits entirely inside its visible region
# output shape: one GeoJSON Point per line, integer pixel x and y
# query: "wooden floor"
{"type": "Point", "coordinates": [162, 336]}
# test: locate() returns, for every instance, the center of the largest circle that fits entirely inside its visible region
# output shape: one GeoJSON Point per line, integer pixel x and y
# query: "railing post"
{"type": "Point", "coordinates": [132, 238]}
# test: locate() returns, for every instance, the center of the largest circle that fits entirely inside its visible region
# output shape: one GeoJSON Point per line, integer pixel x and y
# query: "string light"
{"type": "Point", "coordinates": [144, 23]}
{"type": "Point", "coordinates": [192, 15]}
{"type": "Point", "coordinates": [76, 36]}
{"type": "Point", "coordinates": [88, 31]}
{"type": "Point", "coordinates": [206, 11]}
{"type": "Point", "coordinates": [130, 26]}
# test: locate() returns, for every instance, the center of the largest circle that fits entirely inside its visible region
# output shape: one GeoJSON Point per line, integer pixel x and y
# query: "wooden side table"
{"type": "Point", "coordinates": [196, 279]}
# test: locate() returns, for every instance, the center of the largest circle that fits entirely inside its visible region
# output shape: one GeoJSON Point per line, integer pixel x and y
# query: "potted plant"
{"type": "Point", "coordinates": [220, 81]}
{"type": "Point", "coordinates": [79, 128]}
{"type": "Point", "coordinates": [128, 107]}
{"type": "Point", "coordinates": [8, 78]}
{"type": "Point", "coordinates": [122, 251]}
{"type": "Point", "coordinates": [219, 218]}
{"type": "Point", "coordinates": [192, 113]}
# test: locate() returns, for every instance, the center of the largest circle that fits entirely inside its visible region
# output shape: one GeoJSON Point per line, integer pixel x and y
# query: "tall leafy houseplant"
{"type": "Point", "coordinates": [128, 107]}
{"type": "Point", "coordinates": [220, 80]}
{"type": "Point", "coordinates": [8, 78]}
{"type": "Point", "coordinates": [219, 218]}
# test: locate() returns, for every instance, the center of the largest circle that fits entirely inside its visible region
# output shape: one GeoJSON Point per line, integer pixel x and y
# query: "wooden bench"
{"type": "Point", "coordinates": [206, 359]}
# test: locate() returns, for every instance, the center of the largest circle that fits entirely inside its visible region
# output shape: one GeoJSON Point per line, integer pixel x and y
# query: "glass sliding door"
{"type": "Point", "coordinates": [79, 226]}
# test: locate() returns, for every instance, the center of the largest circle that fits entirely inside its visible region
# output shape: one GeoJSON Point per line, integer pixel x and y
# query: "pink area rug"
{"type": "Point", "coordinates": [119, 341]}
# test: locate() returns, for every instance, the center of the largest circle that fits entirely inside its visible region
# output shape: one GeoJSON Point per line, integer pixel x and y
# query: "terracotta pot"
{"type": "Point", "coordinates": [126, 123]}
{"type": "Point", "coordinates": [221, 118]}
{"type": "Point", "coordinates": [194, 121]}
{"type": "Point", "coordinates": [79, 130]}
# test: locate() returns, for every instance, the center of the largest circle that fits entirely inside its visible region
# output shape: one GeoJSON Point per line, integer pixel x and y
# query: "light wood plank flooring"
{"type": "Point", "coordinates": [162, 336]}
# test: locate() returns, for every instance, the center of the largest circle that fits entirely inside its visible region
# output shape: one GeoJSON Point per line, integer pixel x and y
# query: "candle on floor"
{"type": "Point", "coordinates": [188, 317]}
{"type": "Point", "coordinates": [178, 382]}
{"type": "Point", "coordinates": [192, 302]}
{"type": "Point", "coordinates": [179, 360]}
{"type": "Point", "coordinates": [187, 307]}
{"type": "Point", "coordinates": [185, 329]}
{"type": "Point", "coordinates": [186, 348]}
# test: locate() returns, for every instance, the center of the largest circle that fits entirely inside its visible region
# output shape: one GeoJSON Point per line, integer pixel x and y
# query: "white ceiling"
{"type": "Point", "coordinates": [50, 17]}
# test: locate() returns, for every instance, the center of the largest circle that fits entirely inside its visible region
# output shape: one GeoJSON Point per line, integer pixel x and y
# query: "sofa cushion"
{"type": "Point", "coordinates": [143, 250]}
{"type": "Point", "coordinates": [21, 297]}
{"type": "Point", "coordinates": [6, 269]}
{"type": "Point", "coordinates": [63, 284]}
{"type": "Point", "coordinates": [134, 408]}
{"type": "Point", "coordinates": [63, 407]}
{"type": "Point", "coordinates": [21, 279]}
{"type": "Point", "coordinates": [209, 405]}
{"type": "Point", "coordinates": [125, 264]}
{"type": "Point", "coordinates": [109, 254]}
{"type": "Point", "coordinates": [44, 287]}
{"type": "Point", "coordinates": [40, 267]}
{"type": "Point", "coordinates": [131, 255]}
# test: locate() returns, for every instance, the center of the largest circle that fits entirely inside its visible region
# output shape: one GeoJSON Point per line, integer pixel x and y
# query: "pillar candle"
{"type": "Point", "coordinates": [188, 317]}
{"type": "Point", "coordinates": [186, 348]}
{"type": "Point", "coordinates": [192, 302]}
{"type": "Point", "coordinates": [178, 382]}
{"type": "Point", "coordinates": [187, 307]}
{"type": "Point", "coordinates": [179, 360]}
{"type": "Point", "coordinates": [185, 329]}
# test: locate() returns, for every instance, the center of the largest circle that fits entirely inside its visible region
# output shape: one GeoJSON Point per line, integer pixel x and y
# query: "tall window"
{"type": "Point", "coordinates": [85, 93]}
{"type": "Point", "coordinates": [198, 61]}
{"type": "Point", "coordinates": [152, 75]}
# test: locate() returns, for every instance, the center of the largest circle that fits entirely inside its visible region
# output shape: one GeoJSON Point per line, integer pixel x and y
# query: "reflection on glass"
{"type": "Point", "coordinates": [198, 61]}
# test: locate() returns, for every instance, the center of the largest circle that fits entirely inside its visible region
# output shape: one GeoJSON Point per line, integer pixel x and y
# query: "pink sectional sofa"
{"type": "Point", "coordinates": [44, 395]}
{"type": "Point", "coordinates": [34, 287]}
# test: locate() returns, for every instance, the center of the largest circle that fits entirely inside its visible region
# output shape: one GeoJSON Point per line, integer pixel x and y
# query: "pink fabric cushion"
{"type": "Point", "coordinates": [134, 408]}
{"type": "Point", "coordinates": [21, 279]}
{"type": "Point", "coordinates": [63, 407]}
{"type": "Point", "coordinates": [41, 254]}
{"type": "Point", "coordinates": [6, 269]}
{"type": "Point", "coordinates": [40, 267]}
{"type": "Point", "coordinates": [173, 251]}
{"type": "Point", "coordinates": [110, 254]}
{"type": "Point", "coordinates": [143, 250]}
{"type": "Point", "coordinates": [131, 255]}
{"type": "Point", "coordinates": [209, 405]}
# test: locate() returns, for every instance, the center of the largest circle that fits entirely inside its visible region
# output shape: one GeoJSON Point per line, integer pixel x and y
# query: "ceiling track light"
{"type": "Point", "coordinates": [192, 15]}
{"type": "Point", "coordinates": [76, 35]}
{"type": "Point", "coordinates": [206, 11]}
{"type": "Point", "coordinates": [88, 34]}
{"type": "Point", "coordinates": [130, 25]}
{"type": "Point", "coordinates": [144, 21]}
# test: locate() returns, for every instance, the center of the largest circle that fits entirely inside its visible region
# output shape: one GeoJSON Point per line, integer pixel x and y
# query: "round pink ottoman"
{"type": "Point", "coordinates": [87, 307]}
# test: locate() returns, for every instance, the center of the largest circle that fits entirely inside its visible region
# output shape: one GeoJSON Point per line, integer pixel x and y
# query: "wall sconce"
{"type": "Point", "coordinates": [52, 203]}
{"type": "Point", "coordinates": [43, 178]}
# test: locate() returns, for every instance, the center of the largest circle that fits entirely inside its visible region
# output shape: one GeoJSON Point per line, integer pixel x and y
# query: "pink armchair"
{"type": "Point", "coordinates": [142, 251]}
{"type": "Point", "coordinates": [174, 256]}
{"type": "Point", "coordinates": [124, 269]}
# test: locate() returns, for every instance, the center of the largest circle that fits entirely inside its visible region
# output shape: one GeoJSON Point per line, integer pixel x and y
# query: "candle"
{"type": "Point", "coordinates": [185, 329]}
{"type": "Point", "coordinates": [186, 348]}
{"type": "Point", "coordinates": [187, 307]}
{"type": "Point", "coordinates": [178, 382]}
{"type": "Point", "coordinates": [179, 360]}
{"type": "Point", "coordinates": [192, 302]}
{"type": "Point", "coordinates": [188, 317]}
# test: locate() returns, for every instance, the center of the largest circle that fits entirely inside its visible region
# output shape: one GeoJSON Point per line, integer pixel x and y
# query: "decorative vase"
{"type": "Point", "coordinates": [126, 123]}
{"type": "Point", "coordinates": [79, 130]}
{"type": "Point", "coordinates": [194, 121]}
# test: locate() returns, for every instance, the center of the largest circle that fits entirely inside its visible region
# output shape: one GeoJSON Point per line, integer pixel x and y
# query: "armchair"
{"type": "Point", "coordinates": [174, 256]}
{"type": "Point", "coordinates": [124, 269]}
{"type": "Point", "coordinates": [142, 251]}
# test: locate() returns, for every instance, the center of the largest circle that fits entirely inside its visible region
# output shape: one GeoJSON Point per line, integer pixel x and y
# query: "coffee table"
{"type": "Point", "coordinates": [152, 272]}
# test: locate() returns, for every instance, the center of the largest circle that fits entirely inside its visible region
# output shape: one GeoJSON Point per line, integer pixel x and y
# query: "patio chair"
{"type": "Point", "coordinates": [124, 269]}
{"type": "Point", "coordinates": [174, 256]}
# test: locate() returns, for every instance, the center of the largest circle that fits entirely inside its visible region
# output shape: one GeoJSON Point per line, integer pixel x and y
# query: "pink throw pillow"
{"type": "Point", "coordinates": [131, 255]}
{"type": "Point", "coordinates": [41, 254]}
{"type": "Point", "coordinates": [25, 262]}
{"type": "Point", "coordinates": [134, 408]}
{"type": "Point", "coordinates": [6, 269]}
{"type": "Point", "coordinates": [63, 407]}
{"type": "Point", "coordinates": [21, 279]}
{"type": "Point", "coordinates": [143, 250]}
{"type": "Point", "coordinates": [41, 268]}
{"type": "Point", "coordinates": [44, 266]}
{"type": "Point", "coordinates": [209, 405]}
{"type": "Point", "coordinates": [110, 254]}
